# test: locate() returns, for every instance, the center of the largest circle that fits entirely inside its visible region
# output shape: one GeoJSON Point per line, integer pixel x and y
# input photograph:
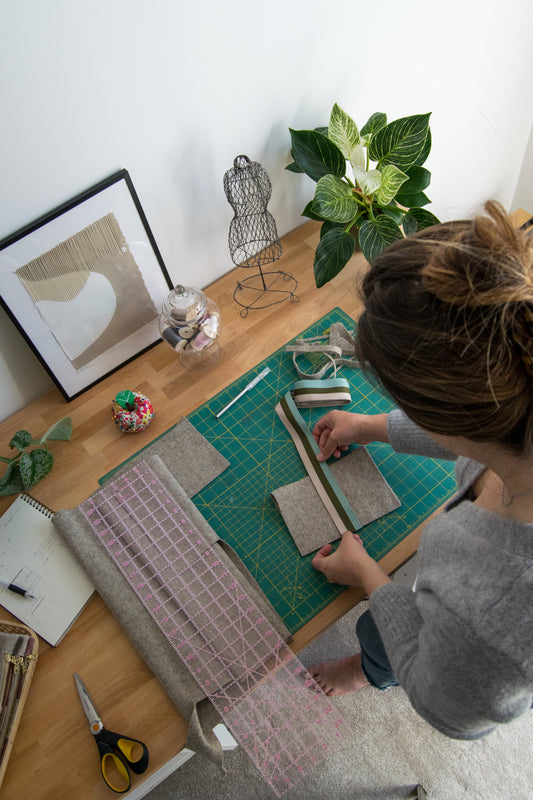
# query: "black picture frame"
{"type": "Point", "coordinates": [84, 284]}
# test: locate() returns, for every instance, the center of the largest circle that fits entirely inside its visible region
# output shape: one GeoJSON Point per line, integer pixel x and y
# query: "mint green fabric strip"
{"type": "Point", "coordinates": [318, 468]}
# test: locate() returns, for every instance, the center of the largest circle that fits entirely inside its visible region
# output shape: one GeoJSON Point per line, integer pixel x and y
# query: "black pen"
{"type": "Point", "coordinates": [14, 588]}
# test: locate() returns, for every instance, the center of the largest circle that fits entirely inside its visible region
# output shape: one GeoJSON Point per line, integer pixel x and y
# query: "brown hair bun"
{"type": "Point", "coordinates": [447, 328]}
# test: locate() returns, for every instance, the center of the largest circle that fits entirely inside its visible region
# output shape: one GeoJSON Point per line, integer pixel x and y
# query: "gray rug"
{"type": "Point", "coordinates": [389, 752]}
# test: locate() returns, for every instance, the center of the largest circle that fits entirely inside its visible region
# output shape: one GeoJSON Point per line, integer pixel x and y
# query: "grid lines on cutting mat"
{"type": "Point", "coordinates": [262, 457]}
{"type": "Point", "coordinates": [238, 505]}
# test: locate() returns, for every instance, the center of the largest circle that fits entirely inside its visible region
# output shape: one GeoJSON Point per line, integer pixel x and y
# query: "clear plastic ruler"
{"type": "Point", "coordinates": [266, 697]}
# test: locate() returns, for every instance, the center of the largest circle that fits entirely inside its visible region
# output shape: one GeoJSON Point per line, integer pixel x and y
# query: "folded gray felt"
{"type": "Point", "coordinates": [135, 620]}
{"type": "Point", "coordinates": [364, 487]}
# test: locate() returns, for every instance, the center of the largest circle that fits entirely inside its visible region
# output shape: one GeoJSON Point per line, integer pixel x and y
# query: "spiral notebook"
{"type": "Point", "coordinates": [34, 557]}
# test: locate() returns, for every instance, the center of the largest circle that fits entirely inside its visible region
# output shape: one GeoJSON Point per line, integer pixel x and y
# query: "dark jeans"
{"type": "Point", "coordinates": [374, 662]}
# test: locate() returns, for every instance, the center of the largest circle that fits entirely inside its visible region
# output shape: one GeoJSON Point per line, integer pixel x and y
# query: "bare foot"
{"type": "Point", "coordinates": [340, 677]}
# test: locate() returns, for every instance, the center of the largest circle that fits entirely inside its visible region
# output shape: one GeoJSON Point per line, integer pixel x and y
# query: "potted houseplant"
{"type": "Point", "coordinates": [379, 203]}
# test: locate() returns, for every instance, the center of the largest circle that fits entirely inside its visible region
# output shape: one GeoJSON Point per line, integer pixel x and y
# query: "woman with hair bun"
{"type": "Point", "coordinates": [447, 331]}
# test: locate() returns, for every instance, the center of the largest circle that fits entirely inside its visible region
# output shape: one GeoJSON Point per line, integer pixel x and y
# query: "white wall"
{"type": "Point", "coordinates": [173, 91]}
{"type": "Point", "coordinates": [524, 191]}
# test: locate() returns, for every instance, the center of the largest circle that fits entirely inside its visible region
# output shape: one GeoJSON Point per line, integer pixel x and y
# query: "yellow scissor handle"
{"type": "Point", "coordinates": [132, 749]}
{"type": "Point", "coordinates": [115, 773]}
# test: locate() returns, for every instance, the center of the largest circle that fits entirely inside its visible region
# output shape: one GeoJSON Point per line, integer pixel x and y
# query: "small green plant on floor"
{"type": "Point", "coordinates": [33, 460]}
{"type": "Point", "coordinates": [382, 202]}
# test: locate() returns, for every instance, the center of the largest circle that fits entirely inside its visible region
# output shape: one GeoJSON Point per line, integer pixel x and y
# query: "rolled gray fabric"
{"type": "Point", "coordinates": [138, 624]}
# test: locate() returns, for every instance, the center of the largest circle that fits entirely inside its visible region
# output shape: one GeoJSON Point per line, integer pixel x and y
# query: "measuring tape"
{"type": "Point", "coordinates": [266, 697]}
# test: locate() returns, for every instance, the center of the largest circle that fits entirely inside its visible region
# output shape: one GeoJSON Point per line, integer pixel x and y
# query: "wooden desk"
{"type": "Point", "coordinates": [53, 755]}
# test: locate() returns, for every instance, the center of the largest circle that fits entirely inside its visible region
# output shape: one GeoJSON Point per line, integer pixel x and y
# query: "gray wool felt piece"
{"type": "Point", "coordinates": [364, 487]}
{"type": "Point", "coordinates": [135, 620]}
{"type": "Point", "coordinates": [341, 337]}
{"type": "Point", "coordinates": [191, 459]}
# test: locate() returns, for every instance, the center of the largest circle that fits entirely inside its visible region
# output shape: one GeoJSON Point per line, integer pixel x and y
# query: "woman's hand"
{"type": "Point", "coordinates": [338, 429]}
{"type": "Point", "coordinates": [350, 564]}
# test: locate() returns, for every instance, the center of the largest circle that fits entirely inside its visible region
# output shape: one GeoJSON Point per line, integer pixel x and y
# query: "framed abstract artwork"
{"type": "Point", "coordinates": [85, 283]}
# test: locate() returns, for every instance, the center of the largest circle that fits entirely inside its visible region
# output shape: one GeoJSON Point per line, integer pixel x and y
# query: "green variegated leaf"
{"type": "Point", "coordinates": [34, 466]}
{"type": "Point", "coordinates": [311, 213]}
{"type": "Point", "coordinates": [334, 251]}
{"type": "Point", "coordinates": [60, 431]}
{"type": "Point", "coordinates": [21, 440]}
{"type": "Point", "coordinates": [368, 181]}
{"type": "Point", "coordinates": [417, 219]}
{"type": "Point", "coordinates": [358, 157]}
{"type": "Point", "coordinates": [331, 226]}
{"type": "Point", "coordinates": [401, 142]}
{"type": "Point", "coordinates": [375, 235]}
{"type": "Point", "coordinates": [391, 180]}
{"type": "Point", "coordinates": [343, 131]}
{"type": "Point", "coordinates": [11, 481]}
{"type": "Point", "coordinates": [376, 121]}
{"type": "Point", "coordinates": [334, 200]}
{"type": "Point", "coordinates": [396, 214]}
{"type": "Point", "coordinates": [316, 155]}
{"type": "Point", "coordinates": [425, 150]}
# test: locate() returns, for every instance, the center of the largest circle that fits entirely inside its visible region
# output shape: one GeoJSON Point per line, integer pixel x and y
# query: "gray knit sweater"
{"type": "Point", "coordinates": [461, 645]}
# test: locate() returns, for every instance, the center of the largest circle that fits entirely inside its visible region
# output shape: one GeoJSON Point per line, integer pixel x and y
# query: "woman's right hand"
{"type": "Point", "coordinates": [335, 431]}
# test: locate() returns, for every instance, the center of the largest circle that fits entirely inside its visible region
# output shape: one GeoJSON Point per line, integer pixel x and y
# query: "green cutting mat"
{"type": "Point", "coordinates": [262, 456]}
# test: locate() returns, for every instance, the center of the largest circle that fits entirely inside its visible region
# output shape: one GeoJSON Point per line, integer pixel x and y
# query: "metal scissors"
{"type": "Point", "coordinates": [117, 752]}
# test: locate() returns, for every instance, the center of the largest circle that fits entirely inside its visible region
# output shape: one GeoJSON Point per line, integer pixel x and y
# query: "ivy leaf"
{"type": "Point", "coordinates": [317, 155]}
{"type": "Point", "coordinates": [34, 466]}
{"type": "Point", "coordinates": [334, 200]}
{"type": "Point", "coordinates": [343, 131]}
{"type": "Point", "coordinates": [11, 481]}
{"type": "Point", "coordinates": [417, 219]}
{"type": "Point", "coordinates": [21, 440]}
{"type": "Point", "coordinates": [333, 252]}
{"type": "Point", "coordinates": [375, 235]}
{"type": "Point", "coordinates": [60, 431]}
{"type": "Point", "coordinates": [391, 180]}
{"type": "Point", "coordinates": [401, 142]}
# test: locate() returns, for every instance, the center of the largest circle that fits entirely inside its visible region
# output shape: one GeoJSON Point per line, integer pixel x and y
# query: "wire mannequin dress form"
{"type": "Point", "coordinates": [253, 238]}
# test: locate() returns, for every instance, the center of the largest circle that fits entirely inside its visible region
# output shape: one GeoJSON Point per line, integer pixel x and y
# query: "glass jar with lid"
{"type": "Point", "coordinates": [191, 323]}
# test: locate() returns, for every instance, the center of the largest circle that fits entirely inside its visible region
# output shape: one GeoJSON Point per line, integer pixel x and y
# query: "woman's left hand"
{"type": "Point", "coordinates": [350, 564]}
